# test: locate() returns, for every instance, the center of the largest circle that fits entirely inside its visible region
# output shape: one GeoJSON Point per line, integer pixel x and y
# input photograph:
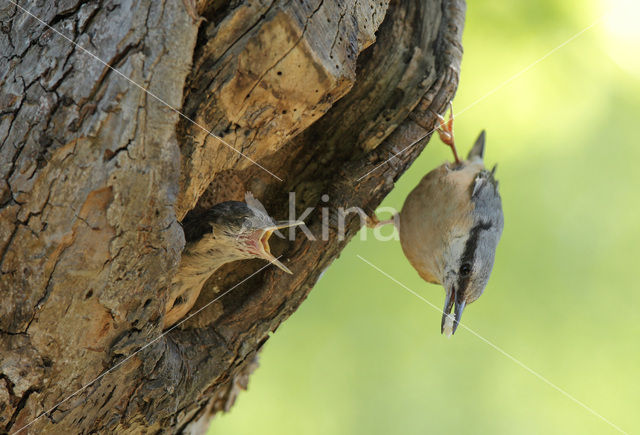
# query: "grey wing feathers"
{"type": "Point", "coordinates": [486, 199]}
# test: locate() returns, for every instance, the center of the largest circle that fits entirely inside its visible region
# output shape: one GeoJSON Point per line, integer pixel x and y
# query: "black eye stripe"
{"type": "Point", "coordinates": [469, 253]}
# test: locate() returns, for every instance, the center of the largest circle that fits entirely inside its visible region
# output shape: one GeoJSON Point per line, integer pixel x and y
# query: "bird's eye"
{"type": "Point", "coordinates": [465, 269]}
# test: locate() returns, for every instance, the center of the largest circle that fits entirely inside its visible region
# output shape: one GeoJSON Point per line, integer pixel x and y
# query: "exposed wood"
{"type": "Point", "coordinates": [95, 175]}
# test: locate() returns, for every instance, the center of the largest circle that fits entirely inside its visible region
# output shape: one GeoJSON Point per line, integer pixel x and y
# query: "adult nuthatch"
{"type": "Point", "coordinates": [227, 232]}
{"type": "Point", "coordinates": [450, 226]}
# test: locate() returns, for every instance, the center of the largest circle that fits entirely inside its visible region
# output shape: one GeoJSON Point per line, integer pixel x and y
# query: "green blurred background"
{"type": "Point", "coordinates": [364, 356]}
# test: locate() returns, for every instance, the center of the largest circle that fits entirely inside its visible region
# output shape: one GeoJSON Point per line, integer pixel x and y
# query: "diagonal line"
{"type": "Point", "coordinates": [103, 374]}
{"type": "Point", "coordinates": [527, 68]}
{"type": "Point", "coordinates": [493, 91]}
{"type": "Point", "coordinates": [209, 132]}
{"type": "Point", "coordinates": [503, 352]}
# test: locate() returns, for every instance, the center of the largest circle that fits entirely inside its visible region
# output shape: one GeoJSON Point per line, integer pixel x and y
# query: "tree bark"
{"type": "Point", "coordinates": [96, 174]}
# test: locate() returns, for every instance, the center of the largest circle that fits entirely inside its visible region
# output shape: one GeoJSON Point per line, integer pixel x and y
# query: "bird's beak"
{"type": "Point", "coordinates": [449, 323]}
{"type": "Point", "coordinates": [458, 313]}
{"type": "Point", "coordinates": [286, 224]}
{"type": "Point", "coordinates": [263, 246]}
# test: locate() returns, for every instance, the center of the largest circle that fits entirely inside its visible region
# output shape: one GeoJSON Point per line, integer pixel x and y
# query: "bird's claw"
{"type": "Point", "coordinates": [372, 221]}
{"type": "Point", "coordinates": [445, 131]}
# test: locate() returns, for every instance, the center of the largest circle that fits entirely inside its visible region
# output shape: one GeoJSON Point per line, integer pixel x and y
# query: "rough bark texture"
{"type": "Point", "coordinates": [95, 175]}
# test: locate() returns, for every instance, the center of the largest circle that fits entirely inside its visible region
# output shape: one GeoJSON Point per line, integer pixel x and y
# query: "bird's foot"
{"type": "Point", "coordinates": [445, 131]}
{"type": "Point", "coordinates": [372, 221]}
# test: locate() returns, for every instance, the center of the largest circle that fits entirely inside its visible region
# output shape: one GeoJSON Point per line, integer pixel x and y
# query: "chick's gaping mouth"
{"type": "Point", "coordinates": [264, 241]}
{"type": "Point", "coordinates": [262, 249]}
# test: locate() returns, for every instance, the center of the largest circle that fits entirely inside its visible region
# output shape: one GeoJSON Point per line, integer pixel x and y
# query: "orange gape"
{"type": "Point", "coordinates": [227, 232]}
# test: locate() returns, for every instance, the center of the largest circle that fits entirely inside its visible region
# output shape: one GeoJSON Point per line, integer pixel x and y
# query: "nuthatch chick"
{"type": "Point", "coordinates": [227, 232]}
{"type": "Point", "coordinates": [450, 226]}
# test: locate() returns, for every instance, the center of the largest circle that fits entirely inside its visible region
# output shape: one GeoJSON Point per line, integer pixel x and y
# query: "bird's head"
{"type": "Point", "coordinates": [468, 257]}
{"type": "Point", "coordinates": [235, 230]}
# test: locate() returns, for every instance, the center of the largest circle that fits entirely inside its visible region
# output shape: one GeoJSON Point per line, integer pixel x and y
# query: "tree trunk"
{"type": "Point", "coordinates": [96, 174]}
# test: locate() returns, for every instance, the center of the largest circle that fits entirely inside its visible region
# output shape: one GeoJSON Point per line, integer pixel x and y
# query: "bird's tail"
{"type": "Point", "coordinates": [478, 147]}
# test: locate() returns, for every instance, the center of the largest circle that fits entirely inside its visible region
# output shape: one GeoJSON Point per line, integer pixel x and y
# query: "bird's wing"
{"type": "Point", "coordinates": [484, 179]}
{"type": "Point", "coordinates": [486, 199]}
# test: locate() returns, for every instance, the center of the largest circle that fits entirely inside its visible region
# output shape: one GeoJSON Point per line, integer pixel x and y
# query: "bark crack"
{"type": "Point", "coordinates": [243, 34]}
{"type": "Point", "coordinates": [20, 406]}
{"type": "Point", "coordinates": [116, 60]}
{"type": "Point", "coordinates": [335, 37]}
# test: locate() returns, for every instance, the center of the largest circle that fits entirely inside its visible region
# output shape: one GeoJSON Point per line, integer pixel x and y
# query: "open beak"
{"type": "Point", "coordinates": [263, 245]}
{"type": "Point", "coordinates": [450, 323]}
{"type": "Point", "coordinates": [285, 224]}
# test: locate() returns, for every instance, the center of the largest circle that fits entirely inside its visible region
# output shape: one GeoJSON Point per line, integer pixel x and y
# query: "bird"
{"type": "Point", "coordinates": [450, 226]}
{"type": "Point", "coordinates": [226, 232]}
